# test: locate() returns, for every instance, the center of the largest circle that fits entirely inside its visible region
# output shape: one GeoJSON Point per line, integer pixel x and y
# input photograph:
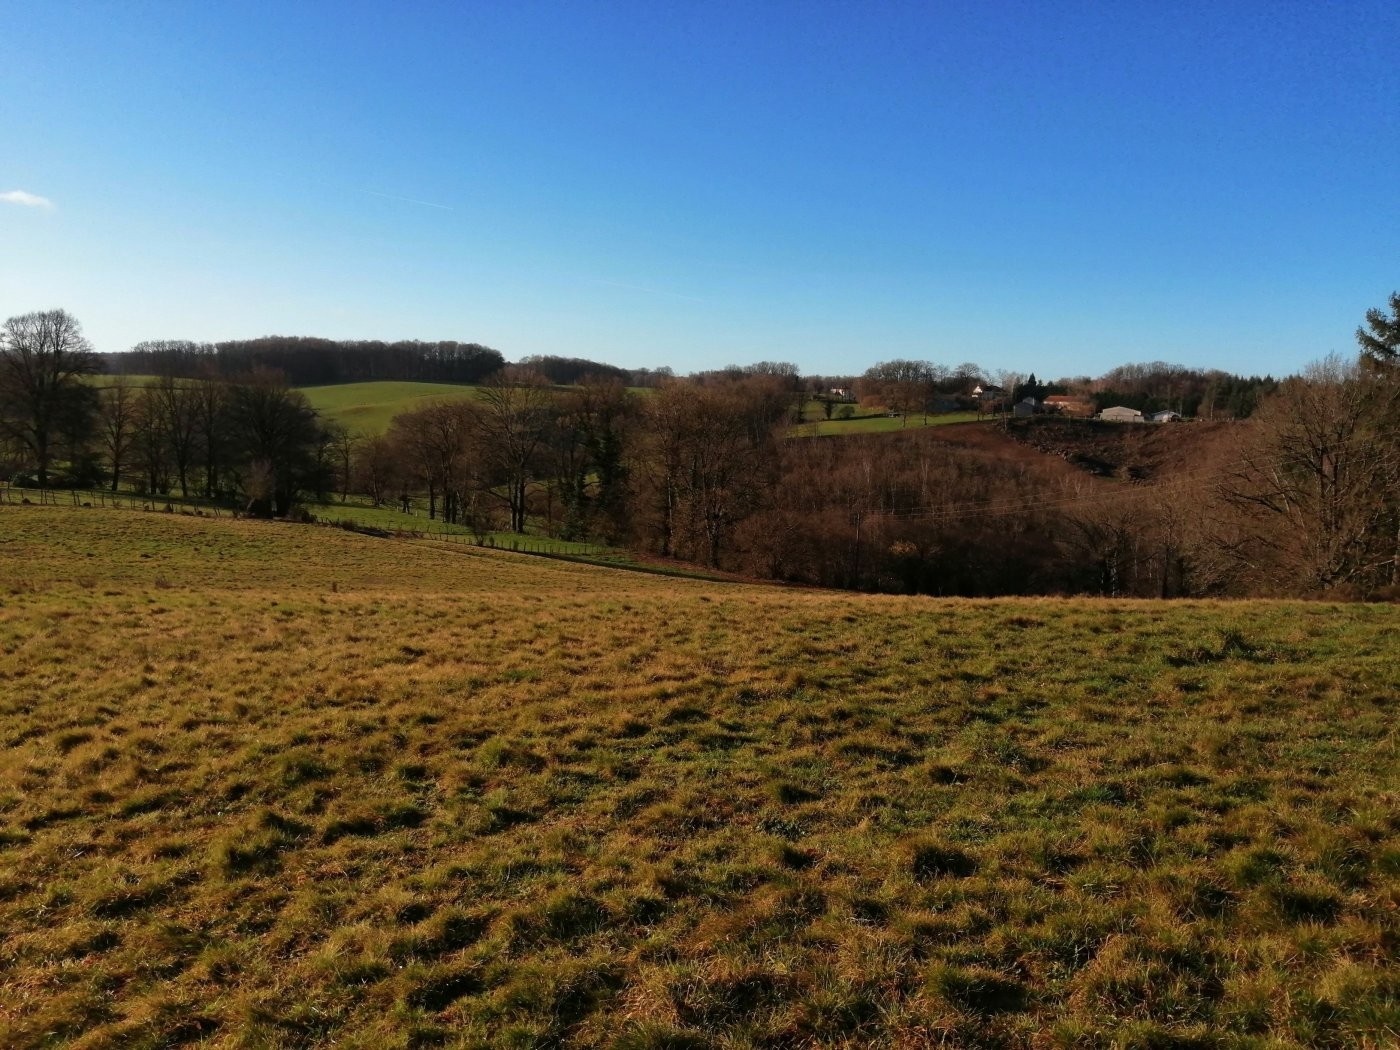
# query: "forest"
{"type": "Point", "coordinates": [1277, 487]}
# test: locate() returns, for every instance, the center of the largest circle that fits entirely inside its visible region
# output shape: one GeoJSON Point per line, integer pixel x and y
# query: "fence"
{"type": "Point", "coordinates": [514, 544]}
{"type": "Point", "coordinates": [13, 495]}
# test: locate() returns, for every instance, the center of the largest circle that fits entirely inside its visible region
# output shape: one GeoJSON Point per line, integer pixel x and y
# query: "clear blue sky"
{"type": "Point", "coordinates": [1055, 187]}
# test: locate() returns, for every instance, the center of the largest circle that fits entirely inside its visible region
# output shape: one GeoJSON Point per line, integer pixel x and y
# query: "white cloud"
{"type": "Point", "coordinates": [28, 200]}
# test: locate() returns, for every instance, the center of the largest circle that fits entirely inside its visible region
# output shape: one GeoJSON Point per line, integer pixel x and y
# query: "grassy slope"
{"type": "Point", "coordinates": [367, 408]}
{"type": "Point", "coordinates": [270, 785]}
{"type": "Point", "coordinates": [877, 424]}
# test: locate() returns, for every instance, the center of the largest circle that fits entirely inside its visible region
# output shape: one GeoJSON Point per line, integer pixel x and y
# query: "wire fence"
{"type": "Point", "coordinates": [515, 543]}
{"type": "Point", "coordinates": [16, 496]}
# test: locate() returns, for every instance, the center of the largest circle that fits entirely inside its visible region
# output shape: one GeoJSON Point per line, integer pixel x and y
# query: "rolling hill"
{"type": "Point", "coordinates": [368, 408]}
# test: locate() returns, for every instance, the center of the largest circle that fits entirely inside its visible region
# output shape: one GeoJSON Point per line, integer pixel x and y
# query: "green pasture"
{"type": "Point", "coordinates": [878, 423]}
{"type": "Point", "coordinates": [369, 408]}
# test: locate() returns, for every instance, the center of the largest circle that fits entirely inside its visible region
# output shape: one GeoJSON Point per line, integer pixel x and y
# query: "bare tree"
{"type": "Point", "coordinates": [43, 359]}
{"type": "Point", "coordinates": [515, 418]}
{"type": "Point", "coordinates": [274, 434]}
{"type": "Point", "coordinates": [709, 454]}
{"type": "Point", "coordinates": [150, 448]}
{"type": "Point", "coordinates": [1319, 471]}
{"type": "Point", "coordinates": [117, 409]}
{"type": "Point", "coordinates": [588, 444]}
{"type": "Point", "coordinates": [438, 443]}
{"type": "Point", "coordinates": [901, 386]}
{"type": "Point", "coordinates": [177, 402]}
{"type": "Point", "coordinates": [210, 394]}
{"type": "Point", "coordinates": [376, 467]}
{"type": "Point", "coordinates": [344, 444]}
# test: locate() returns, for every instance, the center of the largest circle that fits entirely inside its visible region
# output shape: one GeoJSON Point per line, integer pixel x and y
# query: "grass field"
{"type": "Point", "coordinates": [355, 511]}
{"type": "Point", "coordinates": [268, 785]}
{"type": "Point", "coordinates": [368, 408]}
{"type": "Point", "coordinates": [880, 423]}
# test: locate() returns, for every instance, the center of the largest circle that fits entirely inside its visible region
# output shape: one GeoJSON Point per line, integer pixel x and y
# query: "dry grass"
{"type": "Point", "coordinates": [268, 785]}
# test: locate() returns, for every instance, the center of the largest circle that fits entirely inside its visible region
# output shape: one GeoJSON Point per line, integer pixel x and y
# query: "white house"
{"type": "Point", "coordinates": [1121, 414]}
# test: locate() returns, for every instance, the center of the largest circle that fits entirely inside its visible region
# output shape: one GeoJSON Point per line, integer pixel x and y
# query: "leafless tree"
{"type": "Point", "coordinates": [177, 402]}
{"type": "Point", "coordinates": [273, 436]}
{"type": "Point", "coordinates": [344, 443]}
{"type": "Point", "coordinates": [211, 415]}
{"type": "Point", "coordinates": [150, 448]}
{"type": "Point", "coordinates": [117, 409]}
{"type": "Point", "coordinates": [376, 467]}
{"type": "Point", "coordinates": [43, 360]}
{"type": "Point", "coordinates": [515, 418]}
{"type": "Point", "coordinates": [1318, 472]}
{"type": "Point", "coordinates": [901, 386]}
{"type": "Point", "coordinates": [588, 446]}
{"type": "Point", "coordinates": [438, 443]}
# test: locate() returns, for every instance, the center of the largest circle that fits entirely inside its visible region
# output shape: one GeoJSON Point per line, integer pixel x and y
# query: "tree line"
{"type": "Point", "coordinates": [1305, 498]}
{"type": "Point", "coordinates": [306, 361]}
{"type": "Point", "coordinates": [311, 361]}
{"type": "Point", "coordinates": [248, 439]}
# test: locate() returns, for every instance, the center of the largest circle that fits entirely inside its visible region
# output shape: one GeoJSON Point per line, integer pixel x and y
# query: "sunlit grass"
{"type": "Point", "coordinates": [878, 424]}
{"type": "Point", "coordinates": [369, 408]}
{"type": "Point", "coordinates": [272, 785]}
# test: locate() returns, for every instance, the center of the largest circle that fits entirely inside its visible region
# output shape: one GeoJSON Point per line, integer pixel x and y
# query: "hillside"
{"type": "Point", "coordinates": [283, 786]}
{"type": "Point", "coordinates": [1130, 451]}
{"type": "Point", "coordinates": [368, 408]}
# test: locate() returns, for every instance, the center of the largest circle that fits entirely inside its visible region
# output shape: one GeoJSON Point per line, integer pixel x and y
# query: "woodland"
{"type": "Point", "coordinates": [1273, 487]}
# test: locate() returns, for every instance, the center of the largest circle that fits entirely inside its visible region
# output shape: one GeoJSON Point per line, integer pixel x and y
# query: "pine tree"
{"type": "Point", "coordinates": [1380, 348]}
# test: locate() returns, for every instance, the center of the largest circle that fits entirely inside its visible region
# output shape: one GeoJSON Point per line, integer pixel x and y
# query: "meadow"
{"type": "Point", "coordinates": [274, 785]}
{"type": "Point", "coordinates": [369, 408]}
{"type": "Point", "coordinates": [876, 422]}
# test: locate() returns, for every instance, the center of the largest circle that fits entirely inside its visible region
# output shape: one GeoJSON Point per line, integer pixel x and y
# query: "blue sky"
{"type": "Point", "coordinates": [1056, 187]}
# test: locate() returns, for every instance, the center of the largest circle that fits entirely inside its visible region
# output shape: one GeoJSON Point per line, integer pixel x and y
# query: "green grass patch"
{"type": "Point", "coordinates": [881, 423]}
{"type": "Point", "coordinates": [369, 408]}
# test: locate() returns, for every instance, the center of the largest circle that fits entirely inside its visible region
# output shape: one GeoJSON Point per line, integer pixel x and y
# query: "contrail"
{"type": "Point", "coordinates": [408, 200]}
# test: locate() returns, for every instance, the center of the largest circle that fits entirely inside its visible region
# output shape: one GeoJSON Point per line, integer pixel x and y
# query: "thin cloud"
{"type": "Point", "coordinates": [407, 200]}
{"type": "Point", "coordinates": [26, 200]}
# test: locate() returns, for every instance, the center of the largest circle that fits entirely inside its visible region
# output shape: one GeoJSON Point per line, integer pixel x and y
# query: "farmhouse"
{"type": "Point", "coordinates": [1121, 414]}
{"type": "Point", "coordinates": [989, 392]}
